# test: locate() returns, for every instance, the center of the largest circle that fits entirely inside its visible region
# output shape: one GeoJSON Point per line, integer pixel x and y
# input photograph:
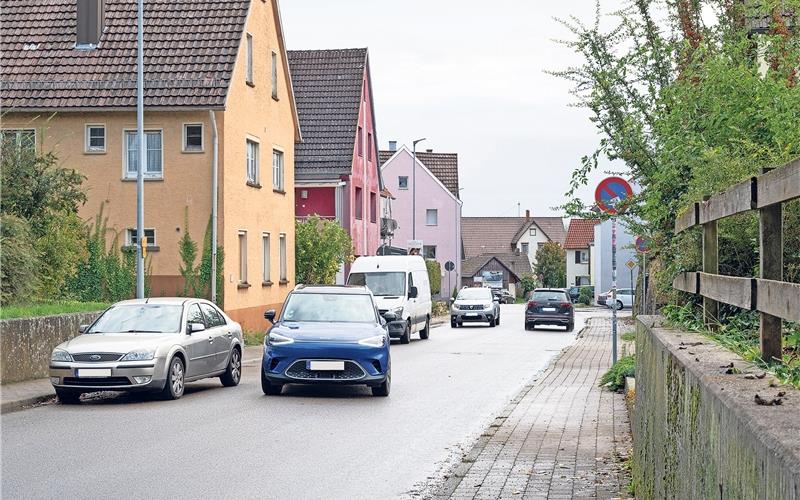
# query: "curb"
{"type": "Point", "coordinates": [21, 404]}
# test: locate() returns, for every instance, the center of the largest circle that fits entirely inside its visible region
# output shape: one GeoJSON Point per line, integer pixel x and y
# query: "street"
{"type": "Point", "coordinates": [311, 442]}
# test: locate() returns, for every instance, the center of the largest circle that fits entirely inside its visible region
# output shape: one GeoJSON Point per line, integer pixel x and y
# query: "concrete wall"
{"type": "Point", "coordinates": [698, 432]}
{"type": "Point", "coordinates": [26, 344]}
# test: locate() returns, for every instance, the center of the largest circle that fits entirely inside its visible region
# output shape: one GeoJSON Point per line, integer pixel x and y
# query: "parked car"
{"type": "Point", "coordinates": [504, 296]}
{"type": "Point", "coordinates": [400, 285]}
{"type": "Point", "coordinates": [625, 297]}
{"type": "Point", "coordinates": [327, 334]}
{"type": "Point", "coordinates": [156, 344]}
{"type": "Point", "coordinates": [549, 306]}
{"type": "Point", "coordinates": [574, 292]}
{"type": "Point", "coordinates": [602, 299]}
{"type": "Point", "coordinates": [475, 305]}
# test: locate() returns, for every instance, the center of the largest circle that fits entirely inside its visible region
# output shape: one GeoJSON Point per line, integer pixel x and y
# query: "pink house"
{"type": "Point", "coordinates": [437, 219]}
{"type": "Point", "coordinates": [336, 165]}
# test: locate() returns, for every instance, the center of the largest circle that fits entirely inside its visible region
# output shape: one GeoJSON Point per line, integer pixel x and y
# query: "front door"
{"type": "Point", "coordinates": [199, 345]}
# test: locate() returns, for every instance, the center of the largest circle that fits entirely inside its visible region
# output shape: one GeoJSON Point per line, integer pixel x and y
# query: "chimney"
{"type": "Point", "coordinates": [90, 23]}
{"type": "Point", "coordinates": [429, 151]}
{"type": "Point", "coordinates": [527, 214]}
{"type": "Point", "coordinates": [392, 145]}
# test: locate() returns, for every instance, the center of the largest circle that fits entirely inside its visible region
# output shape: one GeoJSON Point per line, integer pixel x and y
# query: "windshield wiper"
{"type": "Point", "coordinates": [144, 331]}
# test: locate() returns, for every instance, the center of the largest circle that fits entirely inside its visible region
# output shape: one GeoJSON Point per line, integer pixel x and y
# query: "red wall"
{"type": "Point", "coordinates": [320, 201]}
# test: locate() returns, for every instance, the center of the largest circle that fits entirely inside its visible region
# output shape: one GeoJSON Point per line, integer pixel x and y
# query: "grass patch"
{"type": "Point", "coordinates": [614, 378]}
{"type": "Point", "coordinates": [254, 338]}
{"type": "Point", "coordinates": [49, 309]}
{"type": "Point", "coordinates": [629, 336]}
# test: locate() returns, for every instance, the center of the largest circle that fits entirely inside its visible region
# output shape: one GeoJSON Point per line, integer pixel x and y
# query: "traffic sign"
{"type": "Point", "coordinates": [449, 266]}
{"type": "Point", "coordinates": [631, 264]}
{"type": "Point", "coordinates": [642, 244]}
{"type": "Point", "coordinates": [611, 193]}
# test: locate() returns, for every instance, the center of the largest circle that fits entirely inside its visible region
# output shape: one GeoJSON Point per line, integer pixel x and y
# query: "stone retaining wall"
{"type": "Point", "coordinates": [26, 343]}
{"type": "Point", "coordinates": [698, 432]}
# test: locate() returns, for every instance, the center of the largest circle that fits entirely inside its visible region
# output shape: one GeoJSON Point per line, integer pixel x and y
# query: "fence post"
{"type": "Point", "coordinates": [711, 266]}
{"type": "Point", "coordinates": [771, 267]}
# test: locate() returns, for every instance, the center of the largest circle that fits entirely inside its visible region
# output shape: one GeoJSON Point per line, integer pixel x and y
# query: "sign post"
{"type": "Point", "coordinates": [643, 247]}
{"type": "Point", "coordinates": [449, 266]}
{"type": "Point", "coordinates": [610, 196]}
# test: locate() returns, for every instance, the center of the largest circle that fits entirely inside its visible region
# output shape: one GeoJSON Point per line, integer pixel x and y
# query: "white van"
{"type": "Point", "coordinates": [401, 289]}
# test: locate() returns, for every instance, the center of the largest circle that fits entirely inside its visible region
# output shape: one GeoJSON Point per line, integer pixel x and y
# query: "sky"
{"type": "Point", "coordinates": [470, 77]}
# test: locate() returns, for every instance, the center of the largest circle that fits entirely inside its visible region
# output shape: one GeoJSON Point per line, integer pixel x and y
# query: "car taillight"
{"type": "Point", "coordinates": [566, 305]}
{"type": "Point", "coordinates": [532, 304]}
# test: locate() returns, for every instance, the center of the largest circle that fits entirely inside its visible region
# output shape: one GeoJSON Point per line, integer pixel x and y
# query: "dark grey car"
{"type": "Point", "coordinates": [549, 306]}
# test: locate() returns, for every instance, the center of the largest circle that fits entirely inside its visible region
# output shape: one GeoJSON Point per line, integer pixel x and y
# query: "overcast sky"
{"type": "Point", "coordinates": [468, 76]}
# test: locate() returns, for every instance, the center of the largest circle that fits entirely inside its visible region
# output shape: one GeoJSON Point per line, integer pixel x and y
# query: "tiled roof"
{"type": "Point", "coordinates": [190, 51]}
{"type": "Point", "coordinates": [518, 264]}
{"type": "Point", "coordinates": [482, 235]}
{"type": "Point", "coordinates": [580, 233]}
{"type": "Point", "coordinates": [442, 165]}
{"type": "Point", "coordinates": [327, 87]}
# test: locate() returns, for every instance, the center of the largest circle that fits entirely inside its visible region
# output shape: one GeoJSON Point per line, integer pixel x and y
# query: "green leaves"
{"type": "Point", "coordinates": [321, 246]}
{"type": "Point", "coordinates": [551, 265]}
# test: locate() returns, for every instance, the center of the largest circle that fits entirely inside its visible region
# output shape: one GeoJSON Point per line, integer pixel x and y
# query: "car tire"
{"type": "Point", "coordinates": [453, 324]}
{"type": "Point", "coordinates": [570, 326]}
{"type": "Point", "coordinates": [405, 338]}
{"type": "Point", "coordinates": [493, 323]}
{"type": "Point", "coordinates": [176, 379]}
{"type": "Point", "coordinates": [619, 305]}
{"type": "Point", "coordinates": [426, 332]}
{"type": "Point", "coordinates": [233, 373]}
{"type": "Point", "coordinates": [68, 396]}
{"type": "Point", "coordinates": [268, 387]}
{"type": "Point", "coordinates": [497, 321]}
{"type": "Point", "coordinates": [383, 389]}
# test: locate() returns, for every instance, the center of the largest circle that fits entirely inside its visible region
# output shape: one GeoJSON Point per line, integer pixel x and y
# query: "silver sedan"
{"type": "Point", "coordinates": [156, 344]}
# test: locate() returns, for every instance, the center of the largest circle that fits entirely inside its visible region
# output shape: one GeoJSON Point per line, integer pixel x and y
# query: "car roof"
{"type": "Point", "coordinates": [174, 301]}
{"type": "Point", "coordinates": [332, 289]}
{"type": "Point", "coordinates": [549, 290]}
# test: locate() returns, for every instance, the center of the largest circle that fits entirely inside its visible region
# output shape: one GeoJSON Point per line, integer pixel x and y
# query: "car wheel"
{"type": "Point", "coordinates": [453, 324]}
{"type": "Point", "coordinates": [570, 326]}
{"type": "Point", "coordinates": [68, 397]}
{"type": "Point", "coordinates": [233, 373]}
{"type": "Point", "coordinates": [176, 379]}
{"type": "Point", "coordinates": [497, 321]}
{"type": "Point", "coordinates": [405, 338]}
{"type": "Point", "coordinates": [383, 389]}
{"type": "Point", "coordinates": [425, 333]}
{"type": "Point", "coordinates": [619, 305]}
{"type": "Point", "coordinates": [493, 322]}
{"type": "Point", "coordinates": [268, 387]}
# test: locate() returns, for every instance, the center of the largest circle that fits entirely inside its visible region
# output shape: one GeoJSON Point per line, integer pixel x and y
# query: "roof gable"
{"type": "Point", "coordinates": [384, 160]}
{"type": "Point", "coordinates": [517, 264]}
{"type": "Point", "coordinates": [190, 52]}
{"type": "Point", "coordinates": [552, 227]}
{"type": "Point", "coordinates": [443, 166]}
{"type": "Point", "coordinates": [580, 233]}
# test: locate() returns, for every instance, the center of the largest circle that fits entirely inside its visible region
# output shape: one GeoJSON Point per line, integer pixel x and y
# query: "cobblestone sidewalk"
{"type": "Point", "coordinates": [561, 437]}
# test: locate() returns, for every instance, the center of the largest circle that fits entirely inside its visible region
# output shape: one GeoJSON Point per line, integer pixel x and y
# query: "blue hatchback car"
{"type": "Point", "coordinates": [327, 335]}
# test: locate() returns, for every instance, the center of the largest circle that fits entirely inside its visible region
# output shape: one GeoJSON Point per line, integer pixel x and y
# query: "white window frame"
{"type": "Point", "coordinates": [281, 169]}
{"type": "Point", "coordinates": [248, 77]}
{"type": "Point", "coordinates": [132, 175]}
{"type": "Point", "coordinates": [428, 212]}
{"type": "Point", "coordinates": [532, 231]}
{"type": "Point", "coordinates": [256, 180]}
{"type": "Point", "coordinates": [18, 136]}
{"type": "Point", "coordinates": [242, 239]}
{"type": "Point", "coordinates": [185, 146]}
{"type": "Point", "coordinates": [130, 234]}
{"type": "Point", "coordinates": [522, 248]}
{"type": "Point", "coordinates": [399, 186]}
{"type": "Point", "coordinates": [283, 258]}
{"type": "Point", "coordinates": [274, 75]}
{"type": "Point", "coordinates": [87, 147]}
{"type": "Point", "coordinates": [266, 248]}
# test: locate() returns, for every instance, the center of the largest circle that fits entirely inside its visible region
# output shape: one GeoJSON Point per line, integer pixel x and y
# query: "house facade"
{"type": "Point", "coordinates": [436, 221]}
{"type": "Point", "coordinates": [240, 87]}
{"type": "Point", "coordinates": [337, 174]}
{"type": "Point", "coordinates": [579, 242]}
{"type": "Point", "coordinates": [512, 266]}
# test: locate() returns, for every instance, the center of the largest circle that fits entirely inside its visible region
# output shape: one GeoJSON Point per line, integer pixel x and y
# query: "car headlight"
{"type": "Point", "coordinates": [377, 341]}
{"type": "Point", "coordinates": [140, 355]}
{"type": "Point", "coordinates": [60, 355]}
{"type": "Point", "coordinates": [278, 339]}
{"type": "Point", "coordinates": [487, 306]}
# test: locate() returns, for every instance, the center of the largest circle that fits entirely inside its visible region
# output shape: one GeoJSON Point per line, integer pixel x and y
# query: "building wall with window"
{"type": "Point", "coordinates": [578, 267]}
{"type": "Point", "coordinates": [530, 241]}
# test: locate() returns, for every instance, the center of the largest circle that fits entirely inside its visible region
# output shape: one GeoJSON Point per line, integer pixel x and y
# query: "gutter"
{"type": "Point", "coordinates": [214, 201]}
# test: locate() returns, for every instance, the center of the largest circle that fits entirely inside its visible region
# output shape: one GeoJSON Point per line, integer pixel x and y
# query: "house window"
{"type": "Point", "coordinates": [275, 76]}
{"type": "Point", "coordinates": [249, 76]}
{"type": "Point", "coordinates": [153, 167]}
{"type": "Point", "coordinates": [282, 242]}
{"type": "Point", "coordinates": [243, 257]}
{"type": "Point", "coordinates": [277, 170]}
{"type": "Point", "coordinates": [265, 250]}
{"type": "Point", "coordinates": [402, 182]}
{"type": "Point", "coordinates": [95, 139]}
{"type": "Point", "coordinates": [360, 140]}
{"type": "Point", "coordinates": [432, 217]}
{"type": "Point", "coordinates": [581, 257]}
{"type": "Point", "coordinates": [526, 248]}
{"type": "Point", "coordinates": [20, 140]}
{"type": "Point", "coordinates": [359, 203]}
{"type": "Point", "coordinates": [252, 162]}
{"type": "Point", "coordinates": [533, 231]}
{"type": "Point", "coordinates": [192, 137]}
{"type": "Point", "coordinates": [369, 146]}
{"type": "Point", "coordinates": [582, 280]}
{"type": "Point", "coordinates": [131, 238]}
{"type": "Point", "coordinates": [429, 251]}
{"type": "Point", "coordinates": [373, 207]}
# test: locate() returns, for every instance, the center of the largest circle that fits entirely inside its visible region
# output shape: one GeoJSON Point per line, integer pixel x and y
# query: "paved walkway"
{"type": "Point", "coordinates": [561, 437]}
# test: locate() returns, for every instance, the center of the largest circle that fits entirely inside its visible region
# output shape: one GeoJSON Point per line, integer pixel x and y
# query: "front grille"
{"type": "Point", "coordinates": [103, 356]}
{"type": "Point", "coordinates": [298, 370]}
{"type": "Point", "coordinates": [468, 307]}
{"type": "Point", "coordinates": [97, 382]}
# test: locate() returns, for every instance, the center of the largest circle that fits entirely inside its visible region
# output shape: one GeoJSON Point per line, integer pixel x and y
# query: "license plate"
{"type": "Point", "coordinates": [472, 315]}
{"type": "Point", "coordinates": [326, 365]}
{"type": "Point", "coordinates": [549, 309]}
{"type": "Point", "coordinates": [94, 372]}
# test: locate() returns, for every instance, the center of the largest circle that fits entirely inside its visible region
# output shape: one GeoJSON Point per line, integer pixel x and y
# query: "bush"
{"type": "Point", "coordinates": [321, 246]}
{"type": "Point", "coordinates": [440, 309]}
{"type": "Point", "coordinates": [18, 262]}
{"type": "Point", "coordinates": [434, 276]}
{"type": "Point", "coordinates": [614, 378]}
{"type": "Point", "coordinates": [585, 297]}
{"type": "Point", "coordinates": [204, 272]}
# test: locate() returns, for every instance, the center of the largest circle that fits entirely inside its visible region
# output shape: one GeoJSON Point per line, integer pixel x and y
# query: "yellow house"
{"type": "Point", "coordinates": [69, 86]}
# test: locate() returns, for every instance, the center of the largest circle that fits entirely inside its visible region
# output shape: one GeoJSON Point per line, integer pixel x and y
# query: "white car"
{"type": "Point", "coordinates": [625, 298]}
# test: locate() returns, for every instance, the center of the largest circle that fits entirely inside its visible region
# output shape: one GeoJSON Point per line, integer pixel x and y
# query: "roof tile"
{"type": "Point", "coordinates": [580, 233]}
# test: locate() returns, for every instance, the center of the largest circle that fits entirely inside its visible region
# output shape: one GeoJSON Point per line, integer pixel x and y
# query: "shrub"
{"type": "Point", "coordinates": [321, 246]}
{"type": "Point", "coordinates": [585, 297]}
{"type": "Point", "coordinates": [204, 271]}
{"type": "Point", "coordinates": [18, 262]}
{"type": "Point", "coordinates": [614, 378]}
{"type": "Point", "coordinates": [434, 276]}
{"type": "Point", "coordinates": [188, 252]}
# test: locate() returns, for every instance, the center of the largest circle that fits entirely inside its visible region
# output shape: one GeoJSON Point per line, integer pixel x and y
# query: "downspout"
{"type": "Point", "coordinates": [214, 198]}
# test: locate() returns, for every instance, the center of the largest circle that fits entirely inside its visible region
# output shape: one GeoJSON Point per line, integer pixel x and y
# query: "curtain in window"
{"type": "Point", "coordinates": [153, 152]}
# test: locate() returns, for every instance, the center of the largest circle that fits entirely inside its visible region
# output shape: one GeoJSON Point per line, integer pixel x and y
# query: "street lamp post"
{"type": "Point", "coordinates": [414, 190]}
{"type": "Point", "coordinates": [141, 158]}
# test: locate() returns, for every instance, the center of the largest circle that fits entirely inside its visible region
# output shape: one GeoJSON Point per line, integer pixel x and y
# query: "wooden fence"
{"type": "Point", "coordinates": [773, 298]}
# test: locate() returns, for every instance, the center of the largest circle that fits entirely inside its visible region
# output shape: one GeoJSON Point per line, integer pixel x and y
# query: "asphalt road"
{"type": "Point", "coordinates": [311, 442]}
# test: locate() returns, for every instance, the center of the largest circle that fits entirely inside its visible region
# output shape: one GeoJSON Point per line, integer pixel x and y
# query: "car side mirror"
{"type": "Point", "coordinates": [496, 299]}
{"type": "Point", "coordinates": [270, 316]}
{"type": "Point", "coordinates": [83, 328]}
{"type": "Point", "coordinates": [196, 327]}
{"type": "Point", "coordinates": [452, 300]}
{"type": "Point", "coordinates": [390, 316]}
{"type": "Point", "coordinates": [413, 292]}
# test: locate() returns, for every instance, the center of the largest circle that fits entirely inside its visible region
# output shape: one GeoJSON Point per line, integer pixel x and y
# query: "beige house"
{"type": "Point", "coordinates": [71, 89]}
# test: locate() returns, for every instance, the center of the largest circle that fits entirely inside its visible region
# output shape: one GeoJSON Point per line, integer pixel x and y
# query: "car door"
{"type": "Point", "coordinates": [199, 345]}
{"type": "Point", "coordinates": [412, 304]}
{"type": "Point", "coordinates": [223, 337]}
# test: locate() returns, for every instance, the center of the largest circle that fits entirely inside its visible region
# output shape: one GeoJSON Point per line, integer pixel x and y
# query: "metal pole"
{"type": "Point", "coordinates": [644, 283]}
{"type": "Point", "coordinates": [142, 153]}
{"type": "Point", "coordinates": [214, 196]}
{"type": "Point", "coordinates": [414, 192]}
{"type": "Point", "coordinates": [613, 289]}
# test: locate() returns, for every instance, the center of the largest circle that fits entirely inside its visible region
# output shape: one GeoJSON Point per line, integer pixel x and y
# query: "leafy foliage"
{"type": "Point", "coordinates": [18, 263]}
{"type": "Point", "coordinates": [585, 295]}
{"type": "Point", "coordinates": [204, 271]}
{"type": "Point", "coordinates": [434, 276]}
{"type": "Point", "coordinates": [551, 264]}
{"type": "Point", "coordinates": [188, 251]}
{"type": "Point", "coordinates": [614, 378]}
{"type": "Point", "coordinates": [529, 283]}
{"type": "Point", "coordinates": [321, 246]}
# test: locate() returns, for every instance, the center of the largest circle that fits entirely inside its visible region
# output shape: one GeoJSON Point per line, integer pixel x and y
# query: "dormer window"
{"type": "Point", "coordinates": [90, 24]}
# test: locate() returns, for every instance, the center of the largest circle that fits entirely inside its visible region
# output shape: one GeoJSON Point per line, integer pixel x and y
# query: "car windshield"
{"type": "Point", "coordinates": [139, 318]}
{"type": "Point", "coordinates": [329, 308]}
{"type": "Point", "coordinates": [381, 284]}
{"type": "Point", "coordinates": [550, 296]}
{"type": "Point", "coordinates": [474, 294]}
